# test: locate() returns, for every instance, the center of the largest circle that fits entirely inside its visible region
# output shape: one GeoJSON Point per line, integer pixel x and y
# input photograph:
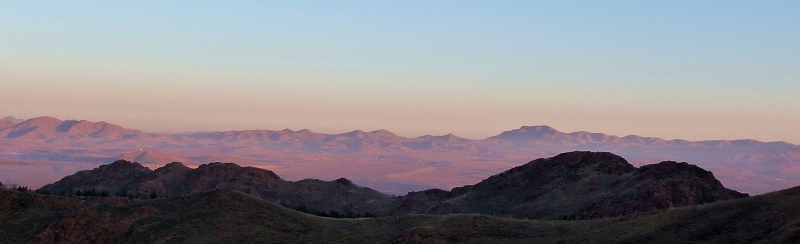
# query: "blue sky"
{"type": "Point", "coordinates": [674, 69]}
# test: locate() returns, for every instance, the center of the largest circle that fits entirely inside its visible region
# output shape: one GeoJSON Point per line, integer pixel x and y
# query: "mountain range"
{"type": "Point", "coordinates": [52, 148]}
{"type": "Point", "coordinates": [574, 185]}
{"type": "Point", "coordinates": [611, 201]}
{"type": "Point", "coordinates": [11, 119]}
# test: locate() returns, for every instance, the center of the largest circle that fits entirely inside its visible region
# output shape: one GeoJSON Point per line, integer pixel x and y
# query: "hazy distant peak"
{"type": "Point", "coordinates": [49, 127]}
{"type": "Point", "coordinates": [12, 119]}
{"type": "Point", "coordinates": [529, 133]}
{"type": "Point", "coordinates": [746, 143]}
{"type": "Point", "coordinates": [383, 133]}
{"type": "Point", "coordinates": [449, 137]}
{"type": "Point", "coordinates": [44, 121]}
{"type": "Point", "coordinates": [539, 128]}
{"type": "Point", "coordinates": [355, 133]}
{"type": "Point", "coordinates": [306, 133]}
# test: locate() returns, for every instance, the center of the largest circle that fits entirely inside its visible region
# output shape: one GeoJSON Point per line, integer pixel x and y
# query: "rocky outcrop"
{"type": "Point", "coordinates": [123, 178]}
{"type": "Point", "coordinates": [120, 176]}
{"type": "Point", "coordinates": [577, 185]}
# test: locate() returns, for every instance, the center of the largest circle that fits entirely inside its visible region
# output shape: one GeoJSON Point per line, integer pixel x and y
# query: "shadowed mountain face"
{"type": "Point", "coordinates": [125, 178]}
{"type": "Point", "coordinates": [226, 216]}
{"type": "Point", "coordinates": [576, 185]}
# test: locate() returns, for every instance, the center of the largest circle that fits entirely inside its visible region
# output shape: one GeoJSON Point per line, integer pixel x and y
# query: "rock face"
{"type": "Point", "coordinates": [120, 176]}
{"type": "Point", "coordinates": [575, 185]}
{"type": "Point", "coordinates": [124, 178]}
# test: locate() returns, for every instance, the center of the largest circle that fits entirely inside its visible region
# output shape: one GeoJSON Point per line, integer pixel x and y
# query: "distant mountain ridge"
{"type": "Point", "coordinates": [575, 185]}
{"type": "Point", "coordinates": [48, 128]}
{"type": "Point", "coordinates": [530, 134]}
{"type": "Point", "coordinates": [12, 119]}
{"type": "Point", "coordinates": [745, 165]}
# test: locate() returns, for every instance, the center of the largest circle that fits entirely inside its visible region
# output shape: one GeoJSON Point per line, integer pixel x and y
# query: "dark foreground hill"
{"type": "Point", "coordinates": [576, 185]}
{"type": "Point", "coordinates": [570, 186]}
{"type": "Point", "coordinates": [123, 178]}
{"type": "Point", "coordinates": [226, 216]}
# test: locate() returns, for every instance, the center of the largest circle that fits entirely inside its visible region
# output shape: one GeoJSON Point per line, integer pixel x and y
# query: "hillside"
{"type": "Point", "coordinates": [225, 216]}
{"type": "Point", "coordinates": [49, 128]}
{"type": "Point", "coordinates": [574, 185]}
{"type": "Point", "coordinates": [124, 178]}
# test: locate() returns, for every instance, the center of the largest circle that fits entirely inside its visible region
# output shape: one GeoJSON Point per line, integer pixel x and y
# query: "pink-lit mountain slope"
{"type": "Point", "coordinates": [12, 119]}
{"type": "Point", "coordinates": [49, 128]}
{"type": "Point", "coordinates": [4, 124]}
{"type": "Point", "coordinates": [388, 162]}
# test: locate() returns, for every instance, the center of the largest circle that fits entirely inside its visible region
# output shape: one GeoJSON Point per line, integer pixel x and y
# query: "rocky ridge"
{"type": "Point", "coordinates": [124, 178]}
{"type": "Point", "coordinates": [575, 185]}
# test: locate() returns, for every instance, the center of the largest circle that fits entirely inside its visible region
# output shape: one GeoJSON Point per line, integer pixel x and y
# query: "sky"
{"type": "Point", "coordinates": [696, 70]}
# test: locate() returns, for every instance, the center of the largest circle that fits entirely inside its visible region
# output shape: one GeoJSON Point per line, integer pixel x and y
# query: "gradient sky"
{"type": "Point", "coordinates": [673, 69]}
